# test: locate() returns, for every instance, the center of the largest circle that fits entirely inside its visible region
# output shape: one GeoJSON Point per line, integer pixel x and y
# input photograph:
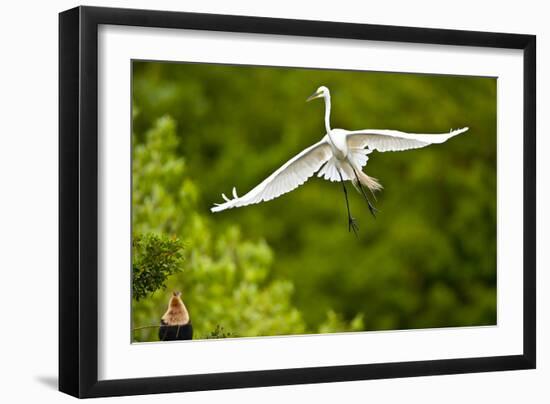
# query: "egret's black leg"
{"type": "Point", "coordinates": [352, 223]}
{"type": "Point", "coordinates": [372, 209]}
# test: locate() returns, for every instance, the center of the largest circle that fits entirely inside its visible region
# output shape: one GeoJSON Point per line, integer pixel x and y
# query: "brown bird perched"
{"type": "Point", "coordinates": [175, 323]}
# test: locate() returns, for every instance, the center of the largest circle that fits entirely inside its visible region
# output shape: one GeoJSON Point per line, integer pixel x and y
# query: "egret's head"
{"type": "Point", "coordinates": [319, 93]}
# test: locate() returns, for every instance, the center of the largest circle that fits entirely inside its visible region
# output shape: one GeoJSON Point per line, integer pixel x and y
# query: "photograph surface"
{"type": "Point", "coordinates": [255, 213]}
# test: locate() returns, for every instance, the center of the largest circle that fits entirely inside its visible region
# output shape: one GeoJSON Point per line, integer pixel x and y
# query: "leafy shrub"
{"type": "Point", "coordinates": [218, 333]}
{"type": "Point", "coordinates": [154, 258]}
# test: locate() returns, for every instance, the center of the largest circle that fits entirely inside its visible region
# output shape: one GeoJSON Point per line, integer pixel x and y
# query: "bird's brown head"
{"type": "Point", "coordinates": [175, 300]}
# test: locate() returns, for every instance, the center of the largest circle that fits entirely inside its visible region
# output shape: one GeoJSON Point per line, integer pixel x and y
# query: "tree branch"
{"type": "Point", "coordinates": [146, 326]}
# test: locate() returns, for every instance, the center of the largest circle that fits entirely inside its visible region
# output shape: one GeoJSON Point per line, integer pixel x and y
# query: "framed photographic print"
{"type": "Point", "coordinates": [210, 215]}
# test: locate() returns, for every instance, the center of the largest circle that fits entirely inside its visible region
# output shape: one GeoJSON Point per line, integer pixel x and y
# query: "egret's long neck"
{"type": "Point", "coordinates": [327, 113]}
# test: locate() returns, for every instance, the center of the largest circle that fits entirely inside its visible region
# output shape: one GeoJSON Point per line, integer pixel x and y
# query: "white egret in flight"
{"type": "Point", "coordinates": [339, 156]}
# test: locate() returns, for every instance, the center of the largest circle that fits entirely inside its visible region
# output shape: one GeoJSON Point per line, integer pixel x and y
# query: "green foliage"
{"type": "Point", "coordinates": [218, 333]}
{"type": "Point", "coordinates": [154, 258]}
{"type": "Point", "coordinates": [335, 321]}
{"type": "Point", "coordinates": [282, 267]}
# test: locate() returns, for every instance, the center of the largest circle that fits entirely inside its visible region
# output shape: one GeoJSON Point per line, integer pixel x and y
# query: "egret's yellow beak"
{"type": "Point", "coordinates": [316, 94]}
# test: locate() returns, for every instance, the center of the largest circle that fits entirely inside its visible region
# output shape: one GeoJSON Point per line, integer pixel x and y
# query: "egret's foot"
{"type": "Point", "coordinates": [352, 225]}
{"type": "Point", "coordinates": [373, 210]}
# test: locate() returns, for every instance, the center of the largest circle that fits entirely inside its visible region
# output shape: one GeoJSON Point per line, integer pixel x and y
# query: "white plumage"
{"type": "Point", "coordinates": [289, 176]}
{"type": "Point", "coordinates": [339, 156]}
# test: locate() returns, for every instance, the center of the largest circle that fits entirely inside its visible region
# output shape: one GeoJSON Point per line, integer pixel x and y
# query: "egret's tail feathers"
{"type": "Point", "coordinates": [370, 182]}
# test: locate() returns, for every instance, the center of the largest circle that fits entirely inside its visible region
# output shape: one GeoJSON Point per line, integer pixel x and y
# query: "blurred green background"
{"type": "Point", "coordinates": [290, 265]}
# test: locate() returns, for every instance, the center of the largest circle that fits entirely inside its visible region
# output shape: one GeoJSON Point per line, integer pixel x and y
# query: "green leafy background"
{"type": "Point", "coordinates": [290, 266]}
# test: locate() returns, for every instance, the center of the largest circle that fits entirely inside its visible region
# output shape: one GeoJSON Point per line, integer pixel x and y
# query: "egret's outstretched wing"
{"type": "Point", "coordinates": [393, 140]}
{"type": "Point", "coordinates": [289, 176]}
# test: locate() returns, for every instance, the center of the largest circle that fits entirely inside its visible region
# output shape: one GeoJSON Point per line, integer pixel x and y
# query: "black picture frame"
{"type": "Point", "coordinates": [78, 200]}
